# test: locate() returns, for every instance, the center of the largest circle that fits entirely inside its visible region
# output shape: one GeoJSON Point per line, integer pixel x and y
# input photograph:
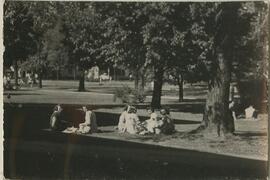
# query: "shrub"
{"type": "Point", "coordinates": [138, 96]}
{"type": "Point", "coordinates": [127, 94]}
{"type": "Point", "coordinates": [122, 93]}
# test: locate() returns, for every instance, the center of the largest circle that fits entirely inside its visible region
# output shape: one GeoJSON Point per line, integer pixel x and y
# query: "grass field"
{"type": "Point", "coordinates": [250, 139]}
{"type": "Point", "coordinates": [66, 92]}
{"type": "Point", "coordinates": [251, 134]}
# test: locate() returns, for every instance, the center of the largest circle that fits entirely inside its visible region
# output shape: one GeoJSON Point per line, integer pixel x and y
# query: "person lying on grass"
{"type": "Point", "coordinates": [90, 123]}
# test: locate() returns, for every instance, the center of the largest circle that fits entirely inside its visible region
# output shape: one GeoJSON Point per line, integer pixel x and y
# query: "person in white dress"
{"type": "Point", "coordinates": [153, 122]}
{"type": "Point", "coordinates": [132, 121]}
{"type": "Point", "coordinates": [122, 120]}
{"type": "Point", "coordinates": [90, 124]}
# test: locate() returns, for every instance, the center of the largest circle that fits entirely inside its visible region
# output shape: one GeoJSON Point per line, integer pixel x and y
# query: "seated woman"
{"type": "Point", "coordinates": [57, 122]}
{"type": "Point", "coordinates": [90, 123]}
{"type": "Point", "coordinates": [152, 123]}
{"type": "Point", "coordinates": [167, 126]}
{"type": "Point", "coordinates": [122, 120]}
{"type": "Point", "coordinates": [132, 121]}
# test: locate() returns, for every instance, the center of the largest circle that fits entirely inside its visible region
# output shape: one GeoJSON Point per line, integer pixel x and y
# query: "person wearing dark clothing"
{"type": "Point", "coordinates": [57, 122]}
{"type": "Point", "coordinates": [168, 124]}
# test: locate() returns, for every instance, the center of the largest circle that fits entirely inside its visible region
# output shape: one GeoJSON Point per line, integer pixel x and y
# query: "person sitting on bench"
{"type": "Point", "coordinates": [90, 123]}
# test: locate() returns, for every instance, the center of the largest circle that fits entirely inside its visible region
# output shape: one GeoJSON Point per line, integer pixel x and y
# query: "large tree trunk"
{"type": "Point", "coordinates": [16, 74]}
{"type": "Point", "coordinates": [217, 119]}
{"type": "Point", "coordinates": [157, 92]}
{"type": "Point", "coordinates": [180, 82]}
{"type": "Point", "coordinates": [40, 74]}
{"type": "Point", "coordinates": [81, 81]}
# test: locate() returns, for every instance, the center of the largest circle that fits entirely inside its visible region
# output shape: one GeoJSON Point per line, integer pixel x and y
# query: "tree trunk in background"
{"type": "Point", "coordinates": [114, 74]}
{"type": "Point", "coordinates": [57, 74]}
{"type": "Point", "coordinates": [74, 73]}
{"type": "Point", "coordinates": [40, 74]}
{"type": "Point", "coordinates": [16, 74]}
{"type": "Point", "coordinates": [217, 119]}
{"type": "Point", "coordinates": [136, 79]}
{"type": "Point", "coordinates": [157, 92]}
{"type": "Point", "coordinates": [180, 82]}
{"type": "Point", "coordinates": [81, 81]}
{"type": "Point", "coordinates": [142, 85]}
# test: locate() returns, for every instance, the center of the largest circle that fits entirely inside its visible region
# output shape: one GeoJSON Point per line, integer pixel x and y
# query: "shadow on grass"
{"type": "Point", "coordinates": [195, 101]}
{"type": "Point", "coordinates": [106, 131]}
{"type": "Point", "coordinates": [21, 94]}
{"type": "Point", "coordinates": [250, 133]}
{"type": "Point", "coordinates": [161, 137]}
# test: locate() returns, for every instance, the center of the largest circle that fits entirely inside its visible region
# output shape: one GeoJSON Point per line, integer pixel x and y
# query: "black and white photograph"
{"type": "Point", "coordinates": [145, 90]}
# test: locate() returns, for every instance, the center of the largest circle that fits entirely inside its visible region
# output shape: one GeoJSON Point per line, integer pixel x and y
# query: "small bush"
{"type": "Point", "coordinates": [138, 96]}
{"type": "Point", "coordinates": [127, 94]}
{"type": "Point", "coordinates": [122, 93]}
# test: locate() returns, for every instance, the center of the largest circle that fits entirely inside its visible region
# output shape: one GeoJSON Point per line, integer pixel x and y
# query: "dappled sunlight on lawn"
{"type": "Point", "coordinates": [253, 146]}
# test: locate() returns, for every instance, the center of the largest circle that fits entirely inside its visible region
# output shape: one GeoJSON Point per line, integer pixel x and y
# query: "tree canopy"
{"type": "Point", "coordinates": [191, 40]}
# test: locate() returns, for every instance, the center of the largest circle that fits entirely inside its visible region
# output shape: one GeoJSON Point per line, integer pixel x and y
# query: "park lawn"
{"type": "Point", "coordinates": [250, 139]}
{"type": "Point", "coordinates": [197, 90]}
{"type": "Point", "coordinates": [177, 115]}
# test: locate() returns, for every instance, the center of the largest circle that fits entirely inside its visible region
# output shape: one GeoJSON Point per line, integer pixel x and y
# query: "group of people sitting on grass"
{"type": "Point", "coordinates": [57, 122]}
{"type": "Point", "coordinates": [129, 122]}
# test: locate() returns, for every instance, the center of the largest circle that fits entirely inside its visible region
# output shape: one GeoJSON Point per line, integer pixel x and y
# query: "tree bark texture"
{"type": "Point", "coordinates": [217, 119]}
{"type": "Point", "coordinates": [81, 81]}
{"type": "Point", "coordinates": [74, 73]}
{"type": "Point", "coordinates": [142, 84]}
{"type": "Point", "coordinates": [16, 74]}
{"type": "Point", "coordinates": [136, 79]}
{"type": "Point", "coordinates": [40, 74]}
{"type": "Point", "coordinates": [180, 82]}
{"type": "Point", "coordinates": [157, 92]}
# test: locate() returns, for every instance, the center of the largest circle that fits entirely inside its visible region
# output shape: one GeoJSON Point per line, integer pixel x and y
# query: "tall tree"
{"type": "Point", "coordinates": [51, 56]}
{"type": "Point", "coordinates": [83, 36]}
{"type": "Point", "coordinates": [164, 37]}
{"type": "Point", "coordinates": [228, 25]}
{"type": "Point", "coordinates": [45, 17]}
{"type": "Point", "coordinates": [123, 23]}
{"type": "Point", "coordinates": [184, 48]}
{"type": "Point", "coordinates": [57, 52]}
{"type": "Point", "coordinates": [19, 34]}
